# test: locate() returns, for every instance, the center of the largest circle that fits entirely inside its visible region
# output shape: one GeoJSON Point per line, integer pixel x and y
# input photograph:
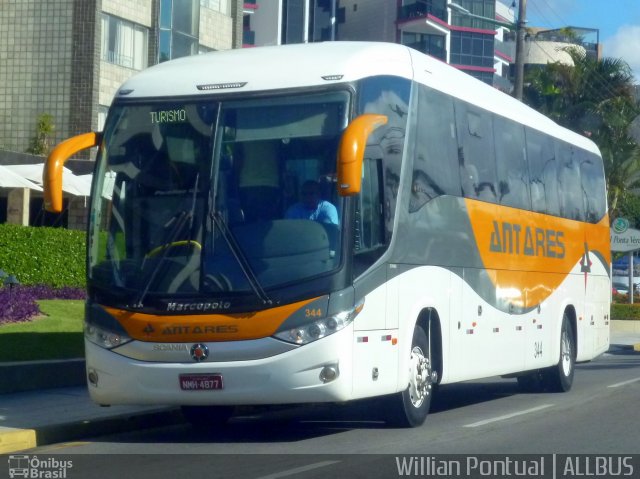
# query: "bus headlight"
{"type": "Point", "coordinates": [320, 328]}
{"type": "Point", "coordinates": [102, 329]}
{"type": "Point", "coordinates": [103, 337]}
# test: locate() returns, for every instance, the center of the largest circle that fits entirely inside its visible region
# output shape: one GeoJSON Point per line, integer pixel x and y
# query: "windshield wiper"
{"type": "Point", "coordinates": [179, 221]}
{"type": "Point", "coordinates": [240, 257]}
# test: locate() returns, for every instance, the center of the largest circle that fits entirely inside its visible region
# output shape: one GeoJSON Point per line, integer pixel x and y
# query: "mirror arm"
{"type": "Point", "coordinates": [351, 152]}
{"type": "Point", "coordinates": [52, 174]}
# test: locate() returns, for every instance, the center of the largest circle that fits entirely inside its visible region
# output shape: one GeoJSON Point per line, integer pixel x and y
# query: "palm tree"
{"type": "Point", "coordinates": [594, 97]}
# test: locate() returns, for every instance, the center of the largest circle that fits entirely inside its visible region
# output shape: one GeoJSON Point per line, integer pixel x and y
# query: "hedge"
{"type": "Point", "coordinates": [625, 311]}
{"type": "Point", "coordinates": [43, 256]}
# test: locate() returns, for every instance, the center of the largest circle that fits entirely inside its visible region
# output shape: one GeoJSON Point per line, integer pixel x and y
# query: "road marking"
{"type": "Point", "coordinates": [298, 470]}
{"type": "Point", "coordinates": [508, 416]}
{"type": "Point", "coordinates": [624, 383]}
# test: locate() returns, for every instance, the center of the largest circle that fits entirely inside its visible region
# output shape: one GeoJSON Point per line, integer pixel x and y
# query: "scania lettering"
{"type": "Point", "coordinates": [457, 234]}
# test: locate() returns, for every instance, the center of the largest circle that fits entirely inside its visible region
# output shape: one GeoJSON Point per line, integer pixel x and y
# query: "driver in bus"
{"type": "Point", "coordinates": [312, 207]}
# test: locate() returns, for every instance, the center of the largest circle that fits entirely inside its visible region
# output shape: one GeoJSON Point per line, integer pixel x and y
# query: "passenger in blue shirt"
{"type": "Point", "coordinates": [312, 207]}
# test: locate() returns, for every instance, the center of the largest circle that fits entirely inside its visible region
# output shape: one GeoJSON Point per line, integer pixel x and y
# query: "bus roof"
{"type": "Point", "coordinates": [321, 64]}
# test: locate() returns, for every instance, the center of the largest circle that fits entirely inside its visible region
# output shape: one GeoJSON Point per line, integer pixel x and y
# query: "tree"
{"type": "Point", "coordinates": [594, 97]}
{"type": "Point", "coordinates": [41, 142]}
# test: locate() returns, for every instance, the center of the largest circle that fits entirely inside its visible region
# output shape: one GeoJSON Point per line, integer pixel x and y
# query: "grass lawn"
{"type": "Point", "coordinates": [55, 335]}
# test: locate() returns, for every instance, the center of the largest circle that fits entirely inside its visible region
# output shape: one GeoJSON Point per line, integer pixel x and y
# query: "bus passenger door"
{"type": "Point", "coordinates": [375, 358]}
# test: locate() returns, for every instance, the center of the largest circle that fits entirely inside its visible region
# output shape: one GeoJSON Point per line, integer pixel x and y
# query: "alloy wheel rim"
{"type": "Point", "coordinates": [565, 353]}
{"type": "Point", "coordinates": [420, 377]}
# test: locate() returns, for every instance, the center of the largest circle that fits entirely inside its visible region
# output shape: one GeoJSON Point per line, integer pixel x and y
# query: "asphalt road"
{"type": "Point", "coordinates": [600, 415]}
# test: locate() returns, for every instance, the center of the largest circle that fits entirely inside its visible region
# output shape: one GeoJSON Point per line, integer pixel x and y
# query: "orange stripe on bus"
{"type": "Point", "coordinates": [213, 327]}
{"type": "Point", "coordinates": [527, 255]}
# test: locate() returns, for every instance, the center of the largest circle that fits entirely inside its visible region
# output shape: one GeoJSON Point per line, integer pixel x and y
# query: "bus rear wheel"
{"type": "Point", "coordinates": [409, 408]}
{"type": "Point", "coordinates": [207, 416]}
{"type": "Point", "coordinates": [559, 378]}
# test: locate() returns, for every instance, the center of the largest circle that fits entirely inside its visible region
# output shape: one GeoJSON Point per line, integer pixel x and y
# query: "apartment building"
{"type": "Point", "coordinates": [66, 58]}
{"type": "Point", "coordinates": [456, 36]}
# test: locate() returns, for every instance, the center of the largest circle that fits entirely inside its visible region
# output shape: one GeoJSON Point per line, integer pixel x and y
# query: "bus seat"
{"type": "Point", "coordinates": [259, 181]}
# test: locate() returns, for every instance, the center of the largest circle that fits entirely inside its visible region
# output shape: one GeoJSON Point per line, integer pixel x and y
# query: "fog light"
{"type": "Point", "coordinates": [328, 374]}
{"type": "Point", "coordinates": [92, 376]}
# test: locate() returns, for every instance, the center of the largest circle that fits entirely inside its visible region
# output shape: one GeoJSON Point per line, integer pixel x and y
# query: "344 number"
{"type": "Point", "coordinates": [537, 349]}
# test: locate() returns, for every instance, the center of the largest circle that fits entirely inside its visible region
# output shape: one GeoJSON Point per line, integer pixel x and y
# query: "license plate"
{"type": "Point", "coordinates": [201, 382]}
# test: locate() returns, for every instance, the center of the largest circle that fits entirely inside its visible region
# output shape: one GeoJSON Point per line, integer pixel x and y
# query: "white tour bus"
{"type": "Point", "coordinates": [334, 221]}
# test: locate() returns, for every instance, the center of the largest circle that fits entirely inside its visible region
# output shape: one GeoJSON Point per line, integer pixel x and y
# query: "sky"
{"type": "Point", "coordinates": [617, 20]}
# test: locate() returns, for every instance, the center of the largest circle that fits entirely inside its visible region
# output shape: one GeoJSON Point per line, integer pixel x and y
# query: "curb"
{"type": "Point", "coordinates": [628, 347]}
{"type": "Point", "coordinates": [14, 440]}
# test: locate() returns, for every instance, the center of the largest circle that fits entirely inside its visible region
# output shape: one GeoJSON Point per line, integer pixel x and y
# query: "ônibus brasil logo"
{"type": "Point", "coordinates": [620, 225]}
{"type": "Point", "coordinates": [33, 467]}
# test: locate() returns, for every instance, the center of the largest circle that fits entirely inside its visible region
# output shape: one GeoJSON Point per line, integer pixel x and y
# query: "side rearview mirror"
{"type": "Point", "coordinates": [52, 174]}
{"type": "Point", "coordinates": [351, 152]}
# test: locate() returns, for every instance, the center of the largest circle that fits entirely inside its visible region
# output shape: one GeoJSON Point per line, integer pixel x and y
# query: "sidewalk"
{"type": "Point", "coordinates": [54, 414]}
{"type": "Point", "coordinates": [35, 418]}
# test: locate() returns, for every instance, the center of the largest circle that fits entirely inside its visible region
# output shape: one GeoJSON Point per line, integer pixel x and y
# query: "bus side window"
{"type": "Point", "coordinates": [476, 154]}
{"type": "Point", "coordinates": [511, 162]}
{"type": "Point", "coordinates": [593, 186]}
{"type": "Point", "coordinates": [569, 184]}
{"type": "Point", "coordinates": [542, 173]}
{"type": "Point", "coordinates": [435, 169]}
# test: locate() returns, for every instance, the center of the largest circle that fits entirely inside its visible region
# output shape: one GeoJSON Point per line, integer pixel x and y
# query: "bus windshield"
{"type": "Point", "coordinates": [201, 197]}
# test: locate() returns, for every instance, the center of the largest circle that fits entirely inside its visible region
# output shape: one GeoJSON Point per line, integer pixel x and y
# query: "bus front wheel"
{"type": "Point", "coordinates": [409, 408]}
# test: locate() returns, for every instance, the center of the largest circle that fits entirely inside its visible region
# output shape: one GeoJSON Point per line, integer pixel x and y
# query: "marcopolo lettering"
{"type": "Point", "coordinates": [512, 238]}
{"type": "Point", "coordinates": [209, 306]}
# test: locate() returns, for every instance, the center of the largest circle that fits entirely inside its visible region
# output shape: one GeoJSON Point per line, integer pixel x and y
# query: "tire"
{"type": "Point", "coordinates": [207, 417]}
{"type": "Point", "coordinates": [559, 378]}
{"type": "Point", "coordinates": [409, 408]}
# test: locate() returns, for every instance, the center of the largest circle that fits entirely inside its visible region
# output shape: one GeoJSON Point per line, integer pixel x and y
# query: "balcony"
{"type": "Point", "coordinates": [421, 9]}
{"type": "Point", "coordinates": [429, 49]}
{"type": "Point", "coordinates": [506, 50]}
{"type": "Point", "coordinates": [423, 16]}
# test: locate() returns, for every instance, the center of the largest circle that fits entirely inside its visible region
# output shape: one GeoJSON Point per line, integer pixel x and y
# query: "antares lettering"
{"type": "Point", "coordinates": [168, 116]}
{"type": "Point", "coordinates": [198, 306]}
{"type": "Point", "coordinates": [512, 238]}
{"type": "Point", "coordinates": [222, 329]}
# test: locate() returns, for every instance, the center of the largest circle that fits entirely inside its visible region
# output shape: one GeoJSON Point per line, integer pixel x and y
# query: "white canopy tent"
{"type": "Point", "coordinates": [12, 179]}
{"type": "Point", "coordinates": [71, 184]}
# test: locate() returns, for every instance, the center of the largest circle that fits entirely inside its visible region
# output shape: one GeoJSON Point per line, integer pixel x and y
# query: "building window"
{"type": "Point", "coordinates": [481, 8]}
{"type": "Point", "coordinates": [293, 21]}
{"type": "Point", "coordinates": [102, 116]}
{"type": "Point", "coordinates": [222, 6]}
{"type": "Point", "coordinates": [430, 44]}
{"type": "Point", "coordinates": [486, 77]}
{"type": "Point", "coordinates": [124, 43]}
{"type": "Point", "coordinates": [179, 24]}
{"type": "Point", "coordinates": [473, 49]}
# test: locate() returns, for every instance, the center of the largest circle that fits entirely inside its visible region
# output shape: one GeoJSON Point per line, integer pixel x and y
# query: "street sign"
{"type": "Point", "coordinates": [623, 238]}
